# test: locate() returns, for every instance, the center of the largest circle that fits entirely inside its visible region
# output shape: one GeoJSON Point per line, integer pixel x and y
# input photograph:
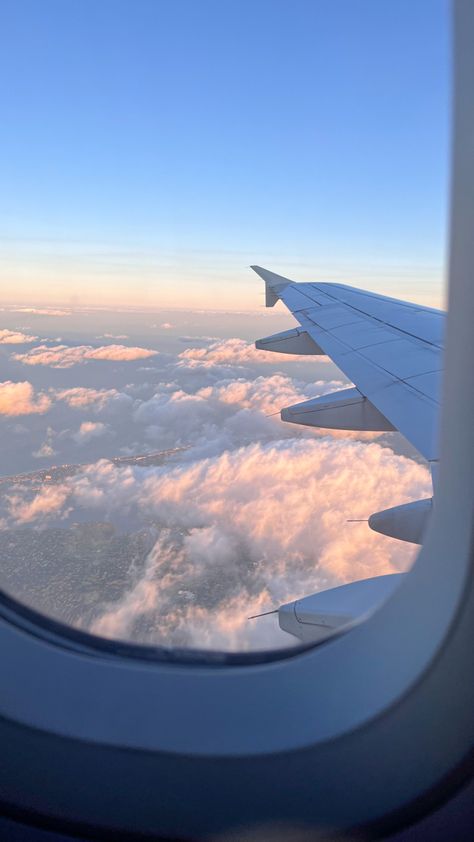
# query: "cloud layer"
{"type": "Point", "coordinates": [65, 356]}
{"type": "Point", "coordinates": [252, 514]}
{"type": "Point", "coordinates": [240, 532]}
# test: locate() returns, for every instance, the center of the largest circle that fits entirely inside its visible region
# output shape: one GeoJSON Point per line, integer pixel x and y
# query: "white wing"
{"type": "Point", "coordinates": [393, 353]}
{"type": "Point", "coordinates": [391, 350]}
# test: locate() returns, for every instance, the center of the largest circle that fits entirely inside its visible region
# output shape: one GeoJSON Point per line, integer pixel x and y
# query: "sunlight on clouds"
{"type": "Point", "coordinates": [251, 513]}
{"type": "Point", "coordinates": [65, 356]}
{"type": "Point", "coordinates": [233, 351]}
{"type": "Point", "coordinates": [21, 399]}
{"type": "Point", "coordinates": [90, 430]}
{"type": "Point", "coordinates": [81, 397]}
{"type": "Point", "coordinates": [241, 531]}
{"type": "Point", "coordinates": [42, 311]}
{"type": "Point", "coordinates": [50, 500]}
{"type": "Point", "coordinates": [13, 337]}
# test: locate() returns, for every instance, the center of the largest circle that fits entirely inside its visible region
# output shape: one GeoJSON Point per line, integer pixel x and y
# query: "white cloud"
{"type": "Point", "coordinates": [42, 311]}
{"type": "Point", "coordinates": [230, 413]}
{"type": "Point", "coordinates": [114, 336]}
{"type": "Point", "coordinates": [81, 397]}
{"type": "Point", "coordinates": [90, 430]}
{"type": "Point", "coordinates": [243, 531]}
{"type": "Point", "coordinates": [49, 501]}
{"type": "Point", "coordinates": [201, 340]}
{"type": "Point", "coordinates": [166, 326]}
{"type": "Point", "coordinates": [20, 399]}
{"type": "Point", "coordinates": [46, 450]}
{"type": "Point", "coordinates": [234, 352]}
{"type": "Point", "coordinates": [254, 513]}
{"type": "Point", "coordinates": [262, 525]}
{"type": "Point", "coordinates": [65, 356]}
{"type": "Point", "coordinates": [14, 337]}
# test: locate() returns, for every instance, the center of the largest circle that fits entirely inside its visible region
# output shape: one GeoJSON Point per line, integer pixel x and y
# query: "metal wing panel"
{"type": "Point", "coordinates": [424, 323]}
{"type": "Point", "coordinates": [403, 358]}
{"type": "Point", "coordinates": [362, 334]}
{"type": "Point", "coordinates": [296, 299]}
{"type": "Point", "coordinates": [428, 384]}
{"type": "Point", "coordinates": [332, 315]}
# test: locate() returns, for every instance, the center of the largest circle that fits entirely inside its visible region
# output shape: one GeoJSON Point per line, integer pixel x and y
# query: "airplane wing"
{"type": "Point", "coordinates": [392, 351]}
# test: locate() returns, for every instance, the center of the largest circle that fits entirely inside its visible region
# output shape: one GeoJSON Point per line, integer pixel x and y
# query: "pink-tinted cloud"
{"type": "Point", "coordinates": [254, 513]}
{"type": "Point", "coordinates": [15, 337]}
{"type": "Point", "coordinates": [90, 430]}
{"type": "Point", "coordinates": [65, 356]}
{"type": "Point", "coordinates": [20, 399]}
{"type": "Point", "coordinates": [233, 352]}
{"type": "Point", "coordinates": [42, 311]}
{"type": "Point", "coordinates": [46, 503]}
{"type": "Point", "coordinates": [265, 394]}
{"type": "Point", "coordinates": [81, 397]}
{"type": "Point", "coordinates": [230, 413]}
{"type": "Point", "coordinates": [243, 531]}
{"type": "Point", "coordinates": [266, 523]}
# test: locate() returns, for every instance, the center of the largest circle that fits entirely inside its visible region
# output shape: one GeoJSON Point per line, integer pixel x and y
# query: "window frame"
{"type": "Point", "coordinates": [348, 733]}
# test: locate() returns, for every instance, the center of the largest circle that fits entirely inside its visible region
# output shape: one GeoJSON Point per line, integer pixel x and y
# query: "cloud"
{"type": "Point", "coordinates": [200, 340]}
{"type": "Point", "coordinates": [20, 399]}
{"type": "Point", "coordinates": [242, 531]}
{"type": "Point", "coordinates": [49, 501]}
{"type": "Point", "coordinates": [13, 337]}
{"type": "Point", "coordinates": [42, 311]}
{"type": "Point", "coordinates": [229, 413]}
{"type": "Point", "coordinates": [234, 352]}
{"type": "Point", "coordinates": [259, 527]}
{"type": "Point", "coordinates": [90, 430]}
{"type": "Point", "coordinates": [166, 326]}
{"type": "Point", "coordinates": [46, 450]}
{"type": "Point", "coordinates": [114, 336]}
{"type": "Point", "coordinates": [252, 515]}
{"type": "Point", "coordinates": [65, 356]}
{"type": "Point", "coordinates": [81, 397]}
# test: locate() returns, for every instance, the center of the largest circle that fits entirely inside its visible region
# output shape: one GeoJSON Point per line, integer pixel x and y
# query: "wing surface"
{"type": "Point", "coordinates": [391, 350]}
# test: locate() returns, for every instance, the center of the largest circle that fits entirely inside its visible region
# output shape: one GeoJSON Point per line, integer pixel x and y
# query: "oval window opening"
{"type": "Point", "coordinates": [150, 490]}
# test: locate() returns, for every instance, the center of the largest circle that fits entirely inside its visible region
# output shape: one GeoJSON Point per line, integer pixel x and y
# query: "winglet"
{"type": "Point", "coordinates": [273, 284]}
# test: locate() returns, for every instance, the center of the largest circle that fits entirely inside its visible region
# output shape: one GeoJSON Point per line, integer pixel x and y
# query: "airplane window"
{"type": "Point", "coordinates": [150, 490]}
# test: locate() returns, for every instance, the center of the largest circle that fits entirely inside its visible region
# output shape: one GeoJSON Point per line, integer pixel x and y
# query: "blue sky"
{"type": "Point", "coordinates": [152, 150]}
